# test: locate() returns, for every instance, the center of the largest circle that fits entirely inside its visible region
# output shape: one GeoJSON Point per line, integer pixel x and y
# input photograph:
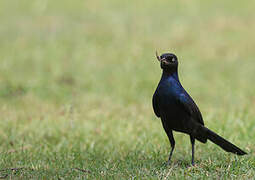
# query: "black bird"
{"type": "Point", "coordinates": [178, 111]}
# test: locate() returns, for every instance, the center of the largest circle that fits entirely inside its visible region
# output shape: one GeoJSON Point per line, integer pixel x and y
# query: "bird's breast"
{"type": "Point", "coordinates": [170, 110]}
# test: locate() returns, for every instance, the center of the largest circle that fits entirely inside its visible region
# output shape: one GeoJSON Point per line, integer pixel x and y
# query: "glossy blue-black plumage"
{"type": "Point", "coordinates": [179, 112]}
{"type": "Point", "coordinates": [172, 103]}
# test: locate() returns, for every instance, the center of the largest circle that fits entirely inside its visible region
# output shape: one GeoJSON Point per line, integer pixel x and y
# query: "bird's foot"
{"type": "Point", "coordinates": [192, 165]}
{"type": "Point", "coordinates": [192, 162]}
{"type": "Point", "coordinates": [168, 163]}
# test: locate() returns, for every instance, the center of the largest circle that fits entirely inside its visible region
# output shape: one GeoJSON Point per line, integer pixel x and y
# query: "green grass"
{"type": "Point", "coordinates": [77, 78]}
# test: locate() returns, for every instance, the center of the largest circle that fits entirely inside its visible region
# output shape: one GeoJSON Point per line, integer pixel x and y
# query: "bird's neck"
{"type": "Point", "coordinates": [172, 74]}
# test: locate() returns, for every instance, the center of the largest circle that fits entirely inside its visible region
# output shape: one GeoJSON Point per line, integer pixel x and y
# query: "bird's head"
{"type": "Point", "coordinates": [168, 62]}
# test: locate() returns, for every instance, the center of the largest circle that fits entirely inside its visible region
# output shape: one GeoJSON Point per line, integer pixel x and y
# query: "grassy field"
{"type": "Point", "coordinates": [77, 78]}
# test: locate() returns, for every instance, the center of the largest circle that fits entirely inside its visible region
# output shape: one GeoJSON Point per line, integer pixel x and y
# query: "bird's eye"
{"type": "Point", "coordinates": [173, 59]}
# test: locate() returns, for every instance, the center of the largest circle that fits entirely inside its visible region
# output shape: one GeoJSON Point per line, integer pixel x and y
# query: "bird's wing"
{"type": "Point", "coordinates": [190, 107]}
{"type": "Point", "coordinates": [155, 105]}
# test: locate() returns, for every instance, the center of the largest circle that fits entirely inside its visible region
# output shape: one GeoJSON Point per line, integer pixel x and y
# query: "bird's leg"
{"type": "Point", "coordinates": [172, 142]}
{"type": "Point", "coordinates": [192, 140]}
{"type": "Point", "coordinates": [170, 155]}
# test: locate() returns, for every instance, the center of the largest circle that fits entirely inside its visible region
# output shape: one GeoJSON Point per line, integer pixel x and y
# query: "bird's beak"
{"type": "Point", "coordinates": [158, 56]}
{"type": "Point", "coordinates": [164, 61]}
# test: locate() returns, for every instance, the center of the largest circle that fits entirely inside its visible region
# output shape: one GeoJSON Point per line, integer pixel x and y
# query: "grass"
{"type": "Point", "coordinates": [76, 81]}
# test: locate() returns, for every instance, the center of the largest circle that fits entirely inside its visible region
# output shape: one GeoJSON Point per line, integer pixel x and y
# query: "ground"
{"type": "Point", "coordinates": [77, 78]}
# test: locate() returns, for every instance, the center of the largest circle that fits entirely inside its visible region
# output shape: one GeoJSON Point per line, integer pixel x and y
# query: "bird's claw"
{"type": "Point", "coordinates": [168, 163]}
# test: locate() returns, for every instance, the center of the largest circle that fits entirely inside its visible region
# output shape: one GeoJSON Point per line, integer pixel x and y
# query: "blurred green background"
{"type": "Point", "coordinates": [77, 78]}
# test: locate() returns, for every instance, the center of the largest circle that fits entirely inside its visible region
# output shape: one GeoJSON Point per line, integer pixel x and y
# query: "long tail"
{"type": "Point", "coordinates": [220, 141]}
